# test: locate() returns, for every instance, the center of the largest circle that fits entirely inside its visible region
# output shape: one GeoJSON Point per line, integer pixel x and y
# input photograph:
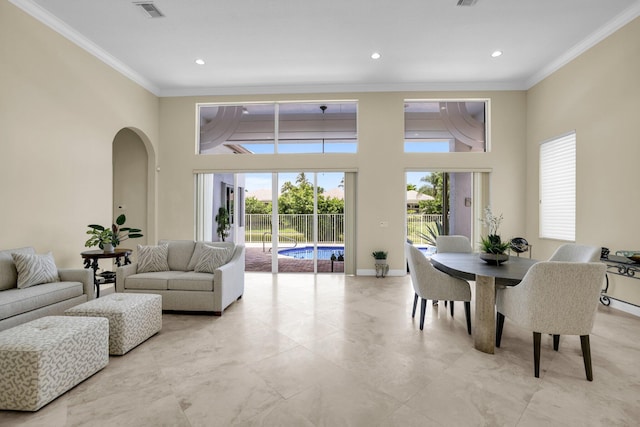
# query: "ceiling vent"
{"type": "Point", "coordinates": [149, 10]}
{"type": "Point", "coordinates": [467, 2]}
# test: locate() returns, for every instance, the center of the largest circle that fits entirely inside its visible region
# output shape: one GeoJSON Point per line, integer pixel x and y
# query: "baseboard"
{"type": "Point", "coordinates": [625, 306]}
{"type": "Point", "coordinates": [372, 272]}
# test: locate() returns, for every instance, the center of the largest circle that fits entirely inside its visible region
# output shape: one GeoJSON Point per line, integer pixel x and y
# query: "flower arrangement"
{"type": "Point", "coordinates": [492, 244]}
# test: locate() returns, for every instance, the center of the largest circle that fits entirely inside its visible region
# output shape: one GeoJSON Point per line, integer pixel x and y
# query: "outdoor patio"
{"type": "Point", "coordinates": [257, 260]}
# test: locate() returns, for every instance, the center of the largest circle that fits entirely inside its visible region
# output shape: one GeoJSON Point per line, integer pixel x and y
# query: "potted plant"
{"type": "Point", "coordinates": [107, 238]}
{"type": "Point", "coordinates": [224, 225]}
{"type": "Point", "coordinates": [492, 246]}
{"type": "Point", "coordinates": [380, 257]}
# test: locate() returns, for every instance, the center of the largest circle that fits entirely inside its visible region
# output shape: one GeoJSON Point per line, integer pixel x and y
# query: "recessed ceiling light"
{"type": "Point", "coordinates": [375, 55]}
{"type": "Point", "coordinates": [200, 61]}
{"type": "Point", "coordinates": [496, 53]}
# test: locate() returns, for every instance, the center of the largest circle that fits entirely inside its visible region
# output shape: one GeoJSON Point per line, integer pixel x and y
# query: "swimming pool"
{"type": "Point", "coordinates": [325, 252]}
{"type": "Point", "coordinates": [306, 252]}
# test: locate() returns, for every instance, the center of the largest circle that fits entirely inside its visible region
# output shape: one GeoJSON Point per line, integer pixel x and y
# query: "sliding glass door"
{"type": "Point", "coordinates": [288, 221]}
{"type": "Point", "coordinates": [443, 202]}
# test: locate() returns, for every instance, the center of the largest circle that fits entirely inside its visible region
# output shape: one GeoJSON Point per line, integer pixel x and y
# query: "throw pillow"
{"type": "Point", "coordinates": [212, 258]}
{"type": "Point", "coordinates": [35, 269]}
{"type": "Point", "coordinates": [153, 258]}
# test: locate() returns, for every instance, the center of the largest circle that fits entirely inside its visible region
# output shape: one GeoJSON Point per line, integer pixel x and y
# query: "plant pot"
{"type": "Point", "coordinates": [494, 259]}
{"type": "Point", "coordinates": [108, 247]}
{"type": "Point", "coordinates": [380, 261]}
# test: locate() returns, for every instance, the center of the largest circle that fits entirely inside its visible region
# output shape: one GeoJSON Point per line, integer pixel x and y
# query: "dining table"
{"type": "Point", "coordinates": [469, 266]}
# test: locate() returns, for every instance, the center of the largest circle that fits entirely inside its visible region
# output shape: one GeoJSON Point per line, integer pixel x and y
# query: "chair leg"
{"type": "Point", "coordinates": [415, 303]}
{"type": "Point", "coordinates": [467, 315]}
{"type": "Point", "coordinates": [556, 342]}
{"type": "Point", "coordinates": [499, 326]}
{"type": "Point", "coordinates": [536, 353]}
{"type": "Point", "coordinates": [423, 308]}
{"type": "Point", "coordinates": [451, 303]}
{"type": "Point", "coordinates": [586, 355]}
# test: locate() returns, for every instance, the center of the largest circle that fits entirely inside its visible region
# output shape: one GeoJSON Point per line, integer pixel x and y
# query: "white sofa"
{"type": "Point", "coordinates": [184, 289]}
{"type": "Point", "coordinates": [19, 306]}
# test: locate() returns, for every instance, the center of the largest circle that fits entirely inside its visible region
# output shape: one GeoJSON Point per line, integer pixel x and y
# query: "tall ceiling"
{"type": "Point", "coordinates": [291, 46]}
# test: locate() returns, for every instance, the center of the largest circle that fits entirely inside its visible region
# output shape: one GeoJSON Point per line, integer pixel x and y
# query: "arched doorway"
{"type": "Point", "coordinates": [134, 182]}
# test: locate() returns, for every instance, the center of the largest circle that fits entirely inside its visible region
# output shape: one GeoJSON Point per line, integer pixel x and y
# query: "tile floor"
{"type": "Point", "coordinates": [330, 350]}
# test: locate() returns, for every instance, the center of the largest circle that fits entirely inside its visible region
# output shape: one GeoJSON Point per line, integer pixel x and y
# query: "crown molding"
{"type": "Point", "coordinates": [42, 15]}
{"type": "Point", "coordinates": [605, 31]}
{"type": "Point", "coordinates": [344, 88]}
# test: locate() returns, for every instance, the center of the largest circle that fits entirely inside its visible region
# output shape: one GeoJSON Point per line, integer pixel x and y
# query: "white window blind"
{"type": "Point", "coordinates": [558, 188]}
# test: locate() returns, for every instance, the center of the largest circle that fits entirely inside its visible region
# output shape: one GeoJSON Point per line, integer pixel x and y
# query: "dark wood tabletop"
{"type": "Point", "coordinates": [467, 265]}
{"type": "Point", "coordinates": [99, 253]}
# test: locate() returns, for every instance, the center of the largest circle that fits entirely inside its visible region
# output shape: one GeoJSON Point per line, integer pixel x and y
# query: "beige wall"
{"type": "Point", "coordinates": [597, 96]}
{"type": "Point", "coordinates": [60, 110]}
{"type": "Point", "coordinates": [380, 164]}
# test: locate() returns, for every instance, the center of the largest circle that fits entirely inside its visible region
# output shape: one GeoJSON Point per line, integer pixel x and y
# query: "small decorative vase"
{"type": "Point", "coordinates": [108, 247]}
{"type": "Point", "coordinates": [493, 259]}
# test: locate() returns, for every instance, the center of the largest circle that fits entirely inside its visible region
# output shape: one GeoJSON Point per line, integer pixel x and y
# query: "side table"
{"type": "Point", "coordinates": [91, 261]}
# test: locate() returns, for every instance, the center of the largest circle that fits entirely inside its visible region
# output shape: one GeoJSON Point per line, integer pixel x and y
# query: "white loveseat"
{"type": "Point", "coordinates": [184, 289]}
{"type": "Point", "coordinates": [21, 305]}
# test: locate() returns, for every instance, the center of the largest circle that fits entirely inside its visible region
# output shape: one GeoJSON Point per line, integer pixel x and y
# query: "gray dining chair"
{"type": "Point", "coordinates": [557, 298]}
{"type": "Point", "coordinates": [430, 283]}
{"type": "Point", "coordinates": [452, 244]}
{"type": "Point", "coordinates": [570, 252]}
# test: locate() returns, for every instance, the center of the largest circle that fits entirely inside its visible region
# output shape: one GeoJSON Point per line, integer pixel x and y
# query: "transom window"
{"type": "Point", "coordinates": [278, 128]}
{"type": "Point", "coordinates": [445, 126]}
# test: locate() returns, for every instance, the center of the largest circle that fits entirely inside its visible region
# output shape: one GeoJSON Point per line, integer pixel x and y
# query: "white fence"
{"type": "Point", "coordinates": [299, 227]}
{"type": "Point", "coordinates": [295, 227]}
{"type": "Point", "coordinates": [419, 224]}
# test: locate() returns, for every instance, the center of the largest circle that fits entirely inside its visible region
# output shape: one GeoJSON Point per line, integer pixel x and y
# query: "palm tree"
{"type": "Point", "coordinates": [433, 184]}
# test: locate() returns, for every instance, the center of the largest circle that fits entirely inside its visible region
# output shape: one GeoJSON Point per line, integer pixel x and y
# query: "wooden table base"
{"type": "Point", "coordinates": [484, 334]}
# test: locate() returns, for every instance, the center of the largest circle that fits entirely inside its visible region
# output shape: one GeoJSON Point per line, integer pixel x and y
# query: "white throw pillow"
{"type": "Point", "coordinates": [35, 269]}
{"type": "Point", "coordinates": [153, 258]}
{"type": "Point", "coordinates": [212, 258]}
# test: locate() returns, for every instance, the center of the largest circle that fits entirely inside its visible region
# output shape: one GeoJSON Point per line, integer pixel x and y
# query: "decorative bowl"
{"type": "Point", "coordinates": [632, 255]}
{"type": "Point", "coordinates": [493, 259]}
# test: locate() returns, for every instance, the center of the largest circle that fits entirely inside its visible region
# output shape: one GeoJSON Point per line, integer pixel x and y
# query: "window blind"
{"type": "Point", "coordinates": [558, 188]}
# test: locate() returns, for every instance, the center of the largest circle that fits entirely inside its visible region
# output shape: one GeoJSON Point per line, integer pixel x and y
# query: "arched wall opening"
{"type": "Point", "coordinates": [134, 183]}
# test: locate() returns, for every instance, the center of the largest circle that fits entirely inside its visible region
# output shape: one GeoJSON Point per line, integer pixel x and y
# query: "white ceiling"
{"type": "Point", "coordinates": [293, 46]}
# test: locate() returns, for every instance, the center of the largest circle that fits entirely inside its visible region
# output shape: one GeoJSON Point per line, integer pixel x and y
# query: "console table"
{"type": "Point", "coordinates": [91, 258]}
{"type": "Point", "coordinates": [621, 266]}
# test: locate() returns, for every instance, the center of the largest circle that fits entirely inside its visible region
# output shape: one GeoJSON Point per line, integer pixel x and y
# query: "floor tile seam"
{"type": "Point", "coordinates": [255, 372]}
{"type": "Point", "coordinates": [363, 383]}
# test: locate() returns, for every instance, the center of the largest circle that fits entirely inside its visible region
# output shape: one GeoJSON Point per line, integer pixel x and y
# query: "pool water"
{"type": "Point", "coordinates": [306, 252]}
{"type": "Point", "coordinates": [325, 252]}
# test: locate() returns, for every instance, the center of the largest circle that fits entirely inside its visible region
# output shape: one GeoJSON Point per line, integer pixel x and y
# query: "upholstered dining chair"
{"type": "Point", "coordinates": [453, 243]}
{"type": "Point", "coordinates": [430, 283]}
{"type": "Point", "coordinates": [557, 298]}
{"type": "Point", "coordinates": [571, 252]}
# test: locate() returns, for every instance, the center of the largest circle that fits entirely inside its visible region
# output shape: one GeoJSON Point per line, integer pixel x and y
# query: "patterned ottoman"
{"type": "Point", "coordinates": [132, 318]}
{"type": "Point", "coordinates": [42, 359]}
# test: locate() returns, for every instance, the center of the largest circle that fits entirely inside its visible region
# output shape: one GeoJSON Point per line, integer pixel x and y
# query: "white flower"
{"type": "Point", "coordinates": [491, 221]}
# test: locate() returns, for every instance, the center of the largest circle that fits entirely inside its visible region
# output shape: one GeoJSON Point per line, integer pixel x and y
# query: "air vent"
{"type": "Point", "coordinates": [149, 10]}
{"type": "Point", "coordinates": [467, 2]}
